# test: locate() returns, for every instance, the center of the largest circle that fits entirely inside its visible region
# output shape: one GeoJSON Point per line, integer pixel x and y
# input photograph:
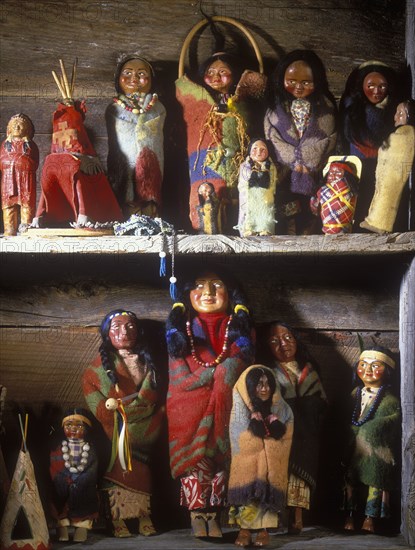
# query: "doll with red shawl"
{"type": "Point", "coordinates": [74, 473]}
{"type": "Point", "coordinates": [210, 342]}
{"type": "Point", "coordinates": [19, 160]}
{"type": "Point", "coordinates": [300, 123]}
{"type": "Point", "coordinates": [75, 188]}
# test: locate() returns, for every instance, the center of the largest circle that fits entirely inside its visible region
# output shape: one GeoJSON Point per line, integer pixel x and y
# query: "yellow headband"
{"type": "Point", "coordinates": [80, 417]}
{"type": "Point", "coordinates": [373, 354]}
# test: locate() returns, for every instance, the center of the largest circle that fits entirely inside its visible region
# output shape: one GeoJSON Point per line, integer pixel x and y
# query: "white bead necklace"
{"type": "Point", "coordinates": [69, 459]}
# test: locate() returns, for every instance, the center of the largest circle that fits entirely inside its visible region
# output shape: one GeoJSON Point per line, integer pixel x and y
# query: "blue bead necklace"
{"type": "Point", "coordinates": [371, 410]}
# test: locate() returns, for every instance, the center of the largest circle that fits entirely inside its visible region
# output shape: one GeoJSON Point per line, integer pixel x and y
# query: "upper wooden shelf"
{"type": "Point", "coordinates": [354, 244]}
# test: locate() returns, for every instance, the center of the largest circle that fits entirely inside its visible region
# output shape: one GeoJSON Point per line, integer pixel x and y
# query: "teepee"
{"type": "Point", "coordinates": [23, 525]}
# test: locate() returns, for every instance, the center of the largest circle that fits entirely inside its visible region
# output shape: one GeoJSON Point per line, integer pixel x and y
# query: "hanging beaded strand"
{"type": "Point", "coordinates": [222, 354]}
{"type": "Point", "coordinates": [372, 409]}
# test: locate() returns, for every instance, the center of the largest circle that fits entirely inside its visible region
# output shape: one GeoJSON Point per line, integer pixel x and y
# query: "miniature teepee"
{"type": "Point", "coordinates": [23, 525]}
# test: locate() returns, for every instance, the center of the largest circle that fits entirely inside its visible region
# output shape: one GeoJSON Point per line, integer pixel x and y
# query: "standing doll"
{"type": "Point", "coordinates": [302, 389]}
{"type": "Point", "coordinates": [366, 111]}
{"type": "Point", "coordinates": [120, 387]}
{"type": "Point", "coordinates": [216, 133]}
{"type": "Point", "coordinates": [210, 342]}
{"type": "Point", "coordinates": [74, 472]}
{"type": "Point", "coordinates": [301, 125]}
{"type": "Point", "coordinates": [256, 186]}
{"type": "Point", "coordinates": [335, 201]}
{"type": "Point", "coordinates": [395, 159]}
{"type": "Point", "coordinates": [19, 160]}
{"type": "Point", "coordinates": [260, 430]}
{"type": "Point", "coordinates": [135, 122]}
{"type": "Point", "coordinates": [373, 439]}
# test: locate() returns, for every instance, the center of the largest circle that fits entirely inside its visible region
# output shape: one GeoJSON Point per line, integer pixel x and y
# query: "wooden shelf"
{"type": "Point", "coordinates": [354, 244]}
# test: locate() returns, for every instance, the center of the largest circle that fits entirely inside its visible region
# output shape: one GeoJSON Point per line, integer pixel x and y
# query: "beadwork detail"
{"type": "Point", "coordinates": [137, 106]}
{"type": "Point", "coordinates": [371, 410]}
{"type": "Point", "coordinates": [222, 354]}
{"type": "Point", "coordinates": [69, 464]}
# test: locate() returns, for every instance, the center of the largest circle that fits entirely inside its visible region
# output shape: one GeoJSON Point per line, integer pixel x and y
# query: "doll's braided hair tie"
{"type": "Point", "coordinates": [241, 307]}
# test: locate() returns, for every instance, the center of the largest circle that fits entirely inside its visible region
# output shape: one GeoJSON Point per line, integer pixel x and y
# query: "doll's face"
{"type": "Point", "coordinates": [375, 87]}
{"type": "Point", "coordinates": [209, 295]}
{"type": "Point", "coordinates": [259, 151]}
{"type": "Point", "coordinates": [263, 391]}
{"type": "Point", "coordinates": [401, 115]}
{"type": "Point", "coordinates": [135, 77]}
{"type": "Point", "coordinates": [371, 371]}
{"type": "Point", "coordinates": [18, 128]}
{"type": "Point", "coordinates": [282, 344]}
{"type": "Point", "coordinates": [74, 429]}
{"type": "Point", "coordinates": [205, 191]}
{"type": "Point", "coordinates": [335, 173]}
{"type": "Point", "coordinates": [299, 79]}
{"type": "Point", "coordinates": [123, 332]}
{"type": "Point", "coordinates": [218, 76]}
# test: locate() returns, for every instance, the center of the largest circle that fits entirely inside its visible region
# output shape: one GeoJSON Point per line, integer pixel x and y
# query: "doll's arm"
{"type": "Point", "coordinates": [185, 380]}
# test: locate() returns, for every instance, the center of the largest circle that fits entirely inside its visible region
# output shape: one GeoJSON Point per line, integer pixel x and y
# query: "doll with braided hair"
{"type": "Point", "coordinates": [121, 389]}
{"type": "Point", "coordinates": [210, 342]}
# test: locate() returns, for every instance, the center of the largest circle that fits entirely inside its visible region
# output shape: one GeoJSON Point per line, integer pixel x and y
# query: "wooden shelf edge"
{"type": "Point", "coordinates": [354, 244]}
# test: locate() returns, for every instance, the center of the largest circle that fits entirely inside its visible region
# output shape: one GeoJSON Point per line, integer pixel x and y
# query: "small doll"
{"type": "Point", "coordinates": [75, 189]}
{"type": "Point", "coordinates": [395, 159]}
{"type": "Point", "coordinates": [19, 160]}
{"type": "Point", "coordinates": [261, 429]}
{"type": "Point", "coordinates": [122, 391]}
{"type": "Point", "coordinates": [300, 123]}
{"type": "Point", "coordinates": [210, 209]}
{"type": "Point", "coordinates": [374, 439]}
{"type": "Point", "coordinates": [366, 113]}
{"type": "Point", "coordinates": [74, 471]}
{"type": "Point", "coordinates": [256, 186]}
{"type": "Point", "coordinates": [135, 122]}
{"type": "Point", "coordinates": [335, 201]}
{"type": "Point", "coordinates": [216, 130]}
{"type": "Point", "coordinates": [210, 342]}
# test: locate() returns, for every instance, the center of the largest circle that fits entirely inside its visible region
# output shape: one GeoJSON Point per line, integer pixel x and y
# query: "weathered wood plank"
{"type": "Point", "coordinates": [407, 349]}
{"type": "Point", "coordinates": [313, 245]}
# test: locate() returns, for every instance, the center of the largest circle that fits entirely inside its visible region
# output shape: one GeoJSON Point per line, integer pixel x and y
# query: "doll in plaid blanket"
{"type": "Point", "coordinates": [335, 201]}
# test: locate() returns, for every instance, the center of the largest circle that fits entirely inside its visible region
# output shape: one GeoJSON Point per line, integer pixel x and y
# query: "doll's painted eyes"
{"type": "Point", "coordinates": [129, 73]}
{"type": "Point", "coordinates": [216, 284]}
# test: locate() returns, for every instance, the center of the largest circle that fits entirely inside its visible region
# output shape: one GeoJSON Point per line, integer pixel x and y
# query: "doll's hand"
{"type": "Point", "coordinates": [256, 416]}
{"type": "Point", "coordinates": [301, 168]}
{"type": "Point", "coordinates": [272, 418]}
{"type": "Point", "coordinates": [229, 153]}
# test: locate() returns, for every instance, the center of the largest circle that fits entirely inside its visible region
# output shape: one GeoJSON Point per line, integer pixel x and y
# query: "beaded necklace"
{"type": "Point", "coordinates": [138, 105]}
{"type": "Point", "coordinates": [222, 354]}
{"type": "Point", "coordinates": [371, 410]}
{"type": "Point", "coordinates": [69, 459]}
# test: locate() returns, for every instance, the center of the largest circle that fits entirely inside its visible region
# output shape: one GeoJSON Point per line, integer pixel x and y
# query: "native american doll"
{"type": "Point", "coordinates": [395, 159]}
{"type": "Point", "coordinates": [301, 125]}
{"type": "Point", "coordinates": [302, 389]}
{"type": "Point", "coordinates": [210, 342]}
{"type": "Point", "coordinates": [335, 201]}
{"type": "Point", "coordinates": [257, 184]}
{"type": "Point", "coordinates": [135, 122]}
{"type": "Point", "coordinates": [75, 188]}
{"type": "Point", "coordinates": [74, 473]}
{"type": "Point", "coordinates": [120, 387]}
{"type": "Point", "coordinates": [216, 130]}
{"type": "Point", "coordinates": [366, 111]}
{"type": "Point", "coordinates": [19, 160]}
{"type": "Point", "coordinates": [373, 441]}
{"type": "Point", "coordinates": [261, 429]}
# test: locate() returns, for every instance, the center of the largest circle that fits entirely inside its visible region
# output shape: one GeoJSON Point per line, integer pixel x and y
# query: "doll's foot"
{"type": "Point", "coordinates": [262, 538]}
{"type": "Point", "coordinates": [349, 524]}
{"type": "Point", "coordinates": [146, 527]}
{"type": "Point", "coordinates": [296, 524]}
{"type": "Point", "coordinates": [63, 534]}
{"type": "Point", "coordinates": [244, 538]}
{"type": "Point", "coordinates": [120, 530]}
{"type": "Point", "coordinates": [368, 525]}
{"type": "Point", "coordinates": [214, 529]}
{"type": "Point", "coordinates": [80, 535]}
{"type": "Point", "coordinates": [198, 524]}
